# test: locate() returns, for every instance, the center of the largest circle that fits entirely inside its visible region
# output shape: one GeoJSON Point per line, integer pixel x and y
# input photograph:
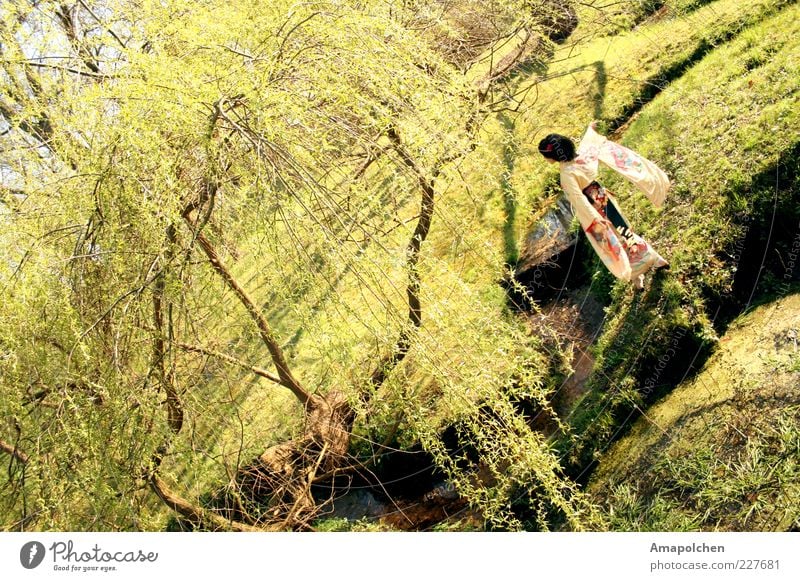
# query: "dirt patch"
{"type": "Point", "coordinates": [571, 322]}
{"type": "Point", "coordinates": [422, 514]}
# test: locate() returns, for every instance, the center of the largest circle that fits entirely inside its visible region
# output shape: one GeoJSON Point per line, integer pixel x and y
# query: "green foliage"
{"type": "Point", "coordinates": [749, 486]}
{"type": "Point", "coordinates": [276, 121]}
{"type": "Point", "coordinates": [279, 118]}
{"type": "Point", "coordinates": [343, 525]}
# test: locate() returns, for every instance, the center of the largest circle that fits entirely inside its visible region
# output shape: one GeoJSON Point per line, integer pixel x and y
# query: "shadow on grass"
{"type": "Point", "coordinates": [767, 256]}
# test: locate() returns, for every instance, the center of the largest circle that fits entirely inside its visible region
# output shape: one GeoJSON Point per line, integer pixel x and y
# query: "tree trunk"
{"type": "Point", "coordinates": [276, 488]}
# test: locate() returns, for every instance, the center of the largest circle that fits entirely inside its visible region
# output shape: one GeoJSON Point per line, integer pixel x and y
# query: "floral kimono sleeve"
{"type": "Point", "coordinates": [641, 172]}
{"type": "Point", "coordinates": [599, 230]}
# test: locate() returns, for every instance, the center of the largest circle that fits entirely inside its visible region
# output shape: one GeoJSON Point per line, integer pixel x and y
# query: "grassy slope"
{"type": "Point", "coordinates": [508, 181]}
{"type": "Point", "coordinates": [721, 451]}
{"type": "Point", "coordinates": [607, 19]}
{"type": "Point", "coordinates": [717, 146]}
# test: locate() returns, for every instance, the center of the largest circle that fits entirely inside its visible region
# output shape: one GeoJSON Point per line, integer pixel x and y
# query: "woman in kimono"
{"type": "Point", "coordinates": [627, 255]}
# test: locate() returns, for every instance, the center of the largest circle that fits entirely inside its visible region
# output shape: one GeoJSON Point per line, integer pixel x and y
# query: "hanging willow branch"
{"type": "Point", "coordinates": [285, 375]}
{"type": "Point", "coordinates": [207, 197]}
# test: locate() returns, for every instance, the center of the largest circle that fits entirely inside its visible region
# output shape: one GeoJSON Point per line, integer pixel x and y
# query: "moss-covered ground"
{"type": "Point", "coordinates": [721, 451]}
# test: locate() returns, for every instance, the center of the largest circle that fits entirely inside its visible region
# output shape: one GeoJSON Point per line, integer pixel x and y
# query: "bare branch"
{"type": "Point", "coordinates": [166, 376]}
{"type": "Point", "coordinates": [285, 375]}
{"type": "Point", "coordinates": [261, 372]}
{"type": "Point", "coordinates": [294, 28]}
{"type": "Point", "coordinates": [507, 64]}
{"type": "Point", "coordinates": [403, 344]}
{"type": "Point", "coordinates": [68, 17]}
{"type": "Point", "coordinates": [92, 74]}
{"type": "Point", "coordinates": [195, 514]}
{"type": "Point", "coordinates": [371, 157]}
{"type": "Point", "coordinates": [100, 22]}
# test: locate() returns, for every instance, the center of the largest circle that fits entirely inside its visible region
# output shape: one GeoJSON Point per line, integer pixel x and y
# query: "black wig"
{"type": "Point", "coordinates": [557, 147]}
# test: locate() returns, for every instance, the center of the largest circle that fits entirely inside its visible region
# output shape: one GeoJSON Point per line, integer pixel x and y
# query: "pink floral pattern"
{"type": "Point", "coordinates": [603, 234]}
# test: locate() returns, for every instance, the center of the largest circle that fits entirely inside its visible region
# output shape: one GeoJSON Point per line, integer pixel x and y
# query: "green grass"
{"type": "Point", "coordinates": [721, 451]}
{"type": "Point", "coordinates": [722, 132]}
{"type": "Point", "coordinates": [590, 76]}
{"type": "Point", "coordinates": [598, 17]}
{"type": "Point", "coordinates": [343, 525]}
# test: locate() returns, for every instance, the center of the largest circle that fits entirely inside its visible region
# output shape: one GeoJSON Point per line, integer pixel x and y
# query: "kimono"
{"type": "Point", "coordinates": [624, 253]}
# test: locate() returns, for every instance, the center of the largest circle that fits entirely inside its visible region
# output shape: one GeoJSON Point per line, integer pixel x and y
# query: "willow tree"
{"type": "Point", "coordinates": [221, 269]}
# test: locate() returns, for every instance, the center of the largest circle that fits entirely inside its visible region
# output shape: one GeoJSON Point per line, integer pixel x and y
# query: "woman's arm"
{"type": "Point", "coordinates": [584, 210]}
